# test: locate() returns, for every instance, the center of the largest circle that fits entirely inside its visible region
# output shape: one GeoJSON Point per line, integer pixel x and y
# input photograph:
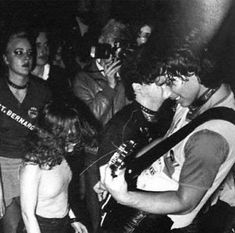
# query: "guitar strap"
{"type": "Point", "coordinates": [158, 149]}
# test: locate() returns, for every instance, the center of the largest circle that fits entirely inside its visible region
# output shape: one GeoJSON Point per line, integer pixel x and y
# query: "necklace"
{"type": "Point", "coordinates": [146, 110]}
{"type": "Point", "coordinates": [17, 86]}
{"type": "Point", "coordinates": [195, 106]}
{"type": "Point", "coordinates": [149, 114]}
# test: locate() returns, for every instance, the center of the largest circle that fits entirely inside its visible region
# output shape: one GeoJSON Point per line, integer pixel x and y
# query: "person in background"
{"type": "Point", "coordinates": [178, 185]}
{"type": "Point", "coordinates": [57, 58]}
{"type": "Point", "coordinates": [42, 59]}
{"type": "Point", "coordinates": [89, 30]}
{"type": "Point", "coordinates": [74, 41]}
{"type": "Point", "coordinates": [22, 95]}
{"type": "Point", "coordinates": [100, 87]}
{"type": "Point", "coordinates": [45, 174]}
{"type": "Point", "coordinates": [56, 77]}
{"type": "Point", "coordinates": [144, 32]}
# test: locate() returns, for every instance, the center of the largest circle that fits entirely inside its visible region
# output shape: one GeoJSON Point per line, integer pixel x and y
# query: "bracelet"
{"type": "Point", "coordinates": [72, 220]}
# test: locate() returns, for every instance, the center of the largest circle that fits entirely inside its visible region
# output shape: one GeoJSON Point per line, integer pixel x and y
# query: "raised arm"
{"type": "Point", "coordinates": [29, 183]}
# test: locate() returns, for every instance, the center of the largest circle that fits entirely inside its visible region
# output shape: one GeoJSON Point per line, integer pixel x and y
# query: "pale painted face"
{"type": "Point", "coordinates": [19, 57]}
{"type": "Point", "coordinates": [151, 95]}
{"type": "Point", "coordinates": [42, 49]}
{"type": "Point", "coordinates": [185, 92]}
{"type": "Point", "coordinates": [151, 91]}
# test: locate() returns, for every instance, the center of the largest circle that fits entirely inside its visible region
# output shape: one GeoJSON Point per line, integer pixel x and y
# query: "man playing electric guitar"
{"type": "Point", "coordinates": [198, 168]}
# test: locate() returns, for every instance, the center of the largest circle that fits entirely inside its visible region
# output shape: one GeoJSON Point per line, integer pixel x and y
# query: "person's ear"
{"type": "Point", "coordinates": [198, 79]}
{"type": "Point", "coordinates": [136, 87]}
{"type": "Point", "coordinates": [5, 59]}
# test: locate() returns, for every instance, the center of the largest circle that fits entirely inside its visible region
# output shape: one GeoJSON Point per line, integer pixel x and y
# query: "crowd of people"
{"type": "Point", "coordinates": [101, 134]}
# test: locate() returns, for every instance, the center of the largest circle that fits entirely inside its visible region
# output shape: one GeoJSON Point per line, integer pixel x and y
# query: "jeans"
{"type": "Point", "coordinates": [12, 217]}
{"type": "Point", "coordinates": [50, 225]}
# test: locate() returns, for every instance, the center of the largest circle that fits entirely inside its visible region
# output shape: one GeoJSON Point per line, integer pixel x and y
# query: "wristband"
{"type": "Point", "coordinates": [72, 220]}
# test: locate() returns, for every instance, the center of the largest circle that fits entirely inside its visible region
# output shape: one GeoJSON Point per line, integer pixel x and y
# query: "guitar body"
{"type": "Point", "coordinates": [123, 219]}
{"type": "Point", "coordinates": [117, 218]}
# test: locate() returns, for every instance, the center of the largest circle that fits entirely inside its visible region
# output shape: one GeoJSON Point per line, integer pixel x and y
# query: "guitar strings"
{"type": "Point", "coordinates": [105, 155]}
{"type": "Point", "coordinates": [97, 160]}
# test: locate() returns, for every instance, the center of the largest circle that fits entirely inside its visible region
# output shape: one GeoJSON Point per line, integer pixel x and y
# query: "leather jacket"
{"type": "Point", "coordinates": [92, 88]}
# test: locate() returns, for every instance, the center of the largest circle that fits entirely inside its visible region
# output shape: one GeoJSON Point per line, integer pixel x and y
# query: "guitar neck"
{"type": "Point", "coordinates": [145, 149]}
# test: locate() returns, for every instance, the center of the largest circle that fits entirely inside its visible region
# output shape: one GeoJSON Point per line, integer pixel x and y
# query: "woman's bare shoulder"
{"type": "Point", "coordinates": [29, 168]}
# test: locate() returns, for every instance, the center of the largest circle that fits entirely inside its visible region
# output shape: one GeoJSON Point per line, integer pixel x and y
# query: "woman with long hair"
{"type": "Point", "coordinates": [45, 174]}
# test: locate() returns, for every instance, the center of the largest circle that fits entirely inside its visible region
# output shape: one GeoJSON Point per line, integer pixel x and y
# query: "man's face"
{"type": "Point", "coordinates": [185, 90]}
{"type": "Point", "coordinates": [151, 91]}
{"type": "Point", "coordinates": [42, 49]}
{"type": "Point", "coordinates": [19, 56]}
{"type": "Point", "coordinates": [151, 95]}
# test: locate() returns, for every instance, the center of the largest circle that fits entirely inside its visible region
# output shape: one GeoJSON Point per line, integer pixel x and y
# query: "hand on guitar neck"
{"type": "Point", "coordinates": [116, 215]}
{"type": "Point", "coordinates": [109, 173]}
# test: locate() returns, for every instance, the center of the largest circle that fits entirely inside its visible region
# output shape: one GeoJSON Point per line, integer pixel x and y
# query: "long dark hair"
{"type": "Point", "coordinates": [59, 124]}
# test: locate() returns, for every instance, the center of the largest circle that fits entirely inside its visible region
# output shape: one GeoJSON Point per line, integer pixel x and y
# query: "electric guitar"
{"type": "Point", "coordinates": [124, 219]}
{"type": "Point", "coordinates": [116, 218]}
{"type": "Point", "coordinates": [116, 162]}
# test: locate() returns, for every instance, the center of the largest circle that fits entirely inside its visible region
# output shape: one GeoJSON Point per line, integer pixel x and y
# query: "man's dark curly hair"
{"type": "Point", "coordinates": [140, 68]}
{"type": "Point", "coordinates": [58, 126]}
{"type": "Point", "coordinates": [191, 55]}
{"type": "Point", "coordinates": [184, 61]}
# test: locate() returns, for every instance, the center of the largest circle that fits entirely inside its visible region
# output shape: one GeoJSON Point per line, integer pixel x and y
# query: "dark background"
{"type": "Point", "coordinates": [214, 19]}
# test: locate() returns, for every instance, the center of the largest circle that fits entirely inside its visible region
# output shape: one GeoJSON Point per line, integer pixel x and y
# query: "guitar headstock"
{"type": "Point", "coordinates": [122, 152]}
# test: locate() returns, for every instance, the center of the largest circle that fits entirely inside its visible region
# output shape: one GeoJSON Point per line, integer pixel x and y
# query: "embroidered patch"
{"type": "Point", "coordinates": [33, 112]}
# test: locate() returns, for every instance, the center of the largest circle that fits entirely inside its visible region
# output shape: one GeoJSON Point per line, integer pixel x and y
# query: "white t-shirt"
{"type": "Point", "coordinates": [207, 154]}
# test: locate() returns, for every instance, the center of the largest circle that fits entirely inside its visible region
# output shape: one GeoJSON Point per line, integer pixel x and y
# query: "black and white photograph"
{"type": "Point", "coordinates": [117, 116]}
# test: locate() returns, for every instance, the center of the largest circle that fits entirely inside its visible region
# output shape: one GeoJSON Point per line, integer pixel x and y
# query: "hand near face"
{"type": "Point", "coordinates": [110, 70]}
